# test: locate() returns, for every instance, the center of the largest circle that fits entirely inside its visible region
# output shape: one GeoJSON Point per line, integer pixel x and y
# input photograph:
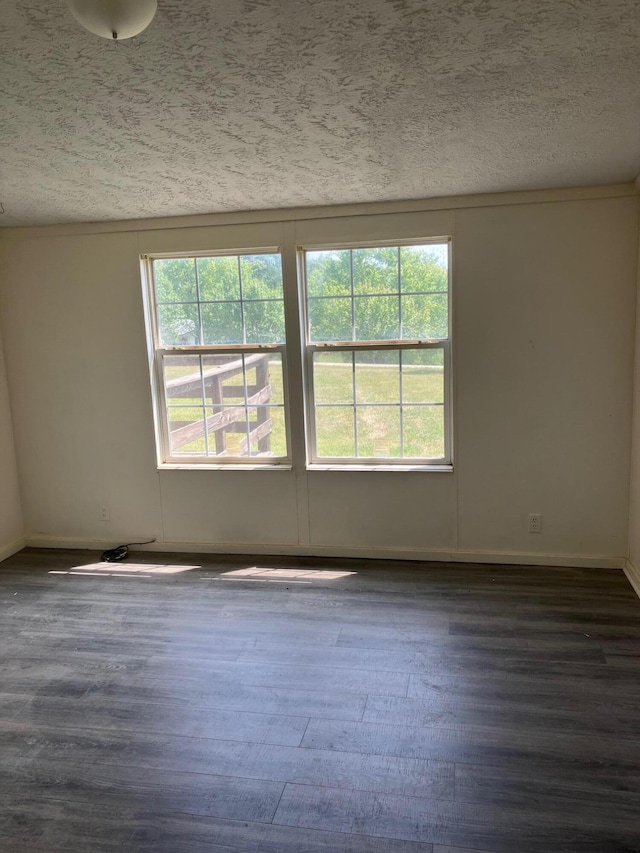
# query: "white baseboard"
{"type": "Point", "coordinates": [505, 558]}
{"type": "Point", "coordinates": [633, 576]}
{"type": "Point", "coordinates": [9, 550]}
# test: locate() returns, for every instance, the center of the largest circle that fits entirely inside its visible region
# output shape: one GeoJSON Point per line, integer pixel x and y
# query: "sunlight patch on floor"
{"type": "Point", "coordinates": [259, 573]}
{"type": "Point", "coordinates": [124, 570]}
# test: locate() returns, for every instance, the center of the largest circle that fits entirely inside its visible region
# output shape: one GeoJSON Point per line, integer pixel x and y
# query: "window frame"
{"type": "Point", "coordinates": [158, 351]}
{"type": "Point", "coordinates": [315, 462]}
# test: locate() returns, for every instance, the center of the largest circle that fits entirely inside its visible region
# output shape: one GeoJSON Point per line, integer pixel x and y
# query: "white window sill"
{"type": "Point", "coordinates": [176, 466]}
{"type": "Point", "coordinates": [397, 468]}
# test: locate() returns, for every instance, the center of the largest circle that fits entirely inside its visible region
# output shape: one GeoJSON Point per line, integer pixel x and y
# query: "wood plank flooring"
{"type": "Point", "coordinates": [402, 708]}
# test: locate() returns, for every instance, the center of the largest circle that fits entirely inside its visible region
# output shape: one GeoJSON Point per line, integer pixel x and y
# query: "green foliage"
{"type": "Point", "coordinates": [378, 294]}
{"type": "Point", "coordinates": [354, 294]}
{"type": "Point", "coordinates": [261, 276]}
{"type": "Point", "coordinates": [218, 279]}
{"type": "Point", "coordinates": [175, 280]}
{"type": "Point", "coordinates": [217, 283]}
{"type": "Point", "coordinates": [329, 273]}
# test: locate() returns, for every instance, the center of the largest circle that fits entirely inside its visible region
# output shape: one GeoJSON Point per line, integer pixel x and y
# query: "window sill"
{"type": "Point", "coordinates": [176, 466]}
{"type": "Point", "coordinates": [397, 468]}
{"type": "Point", "coordinates": [402, 469]}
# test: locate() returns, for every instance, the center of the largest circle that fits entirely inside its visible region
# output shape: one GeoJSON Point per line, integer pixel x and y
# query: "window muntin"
{"type": "Point", "coordinates": [220, 358]}
{"type": "Point", "coordinates": [222, 404]}
{"type": "Point", "coordinates": [380, 293]}
{"type": "Point", "coordinates": [232, 299]}
{"type": "Point", "coordinates": [378, 354]}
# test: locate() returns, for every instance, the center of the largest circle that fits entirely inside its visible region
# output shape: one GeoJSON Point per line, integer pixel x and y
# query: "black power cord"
{"type": "Point", "coordinates": [121, 552]}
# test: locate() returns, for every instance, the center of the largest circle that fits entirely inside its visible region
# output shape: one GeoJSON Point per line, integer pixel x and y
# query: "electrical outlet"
{"type": "Point", "coordinates": [535, 522]}
{"type": "Point", "coordinates": [104, 513]}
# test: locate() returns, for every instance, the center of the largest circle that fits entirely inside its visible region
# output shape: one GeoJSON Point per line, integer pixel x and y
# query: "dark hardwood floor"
{"type": "Point", "coordinates": [404, 708]}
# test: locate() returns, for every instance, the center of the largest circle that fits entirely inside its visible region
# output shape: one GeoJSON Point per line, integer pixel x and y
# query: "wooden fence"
{"type": "Point", "coordinates": [225, 419]}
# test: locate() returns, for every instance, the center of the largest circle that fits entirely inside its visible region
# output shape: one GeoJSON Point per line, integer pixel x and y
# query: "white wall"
{"type": "Point", "coordinates": [544, 302]}
{"type": "Point", "coordinates": [11, 528]}
{"type": "Point", "coordinates": [546, 320]}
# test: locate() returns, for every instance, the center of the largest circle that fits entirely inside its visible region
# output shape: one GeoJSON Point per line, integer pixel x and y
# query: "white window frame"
{"type": "Point", "coordinates": [315, 462]}
{"type": "Point", "coordinates": [157, 353]}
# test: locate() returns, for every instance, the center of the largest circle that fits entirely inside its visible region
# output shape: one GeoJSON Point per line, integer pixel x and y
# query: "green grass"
{"type": "Point", "coordinates": [382, 430]}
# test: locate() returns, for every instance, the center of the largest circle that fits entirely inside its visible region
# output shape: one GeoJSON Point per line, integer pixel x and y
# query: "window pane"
{"type": "Point", "coordinates": [425, 316]}
{"type": "Point", "coordinates": [423, 431]}
{"type": "Point", "coordinates": [183, 391]}
{"type": "Point", "coordinates": [186, 430]}
{"type": "Point", "coordinates": [382, 379]}
{"type": "Point", "coordinates": [221, 323]}
{"type": "Point", "coordinates": [424, 268]}
{"type": "Point", "coordinates": [366, 275]}
{"type": "Point", "coordinates": [261, 276]}
{"type": "Point", "coordinates": [377, 318]}
{"type": "Point", "coordinates": [183, 380]}
{"type": "Point", "coordinates": [224, 384]}
{"type": "Point", "coordinates": [333, 377]}
{"type": "Point", "coordinates": [379, 431]}
{"type": "Point", "coordinates": [218, 278]}
{"type": "Point", "coordinates": [335, 434]}
{"type": "Point", "coordinates": [264, 322]}
{"type": "Point", "coordinates": [276, 379]}
{"type": "Point", "coordinates": [422, 376]}
{"type": "Point", "coordinates": [377, 377]}
{"type": "Point", "coordinates": [223, 379]}
{"type": "Point", "coordinates": [178, 325]}
{"type": "Point", "coordinates": [375, 270]}
{"type": "Point", "coordinates": [263, 375]}
{"type": "Point", "coordinates": [330, 319]}
{"type": "Point", "coordinates": [228, 435]}
{"type": "Point", "coordinates": [235, 384]}
{"type": "Point", "coordinates": [267, 431]}
{"type": "Point", "coordinates": [329, 273]}
{"type": "Point", "coordinates": [175, 280]}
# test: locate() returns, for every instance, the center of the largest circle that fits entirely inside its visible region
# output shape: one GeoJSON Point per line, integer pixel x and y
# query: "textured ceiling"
{"type": "Point", "coordinates": [244, 104]}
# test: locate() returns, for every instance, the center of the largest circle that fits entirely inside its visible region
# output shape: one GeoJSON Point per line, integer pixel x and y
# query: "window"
{"type": "Point", "coordinates": [217, 326]}
{"type": "Point", "coordinates": [371, 377]}
{"type": "Point", "coordinates": [377, 354]}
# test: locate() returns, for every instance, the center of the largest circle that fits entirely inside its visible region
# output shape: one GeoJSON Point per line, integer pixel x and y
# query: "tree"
{"type": "Point", "coordinates": [229, 290]}
{"type": "Point", "coordinates": [373, 294]}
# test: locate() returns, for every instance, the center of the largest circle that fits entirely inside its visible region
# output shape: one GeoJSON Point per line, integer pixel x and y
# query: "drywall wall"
{"type": "Point", "coordinates": [11, 528]}
{"type": "Point", "coordinates": [544, 375]}
{"type": "Point", "coordinates": [544, 301]}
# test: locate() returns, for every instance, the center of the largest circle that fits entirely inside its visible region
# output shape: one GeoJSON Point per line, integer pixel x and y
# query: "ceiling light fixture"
{"type": "Point", "coordinates": [114, 19]}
